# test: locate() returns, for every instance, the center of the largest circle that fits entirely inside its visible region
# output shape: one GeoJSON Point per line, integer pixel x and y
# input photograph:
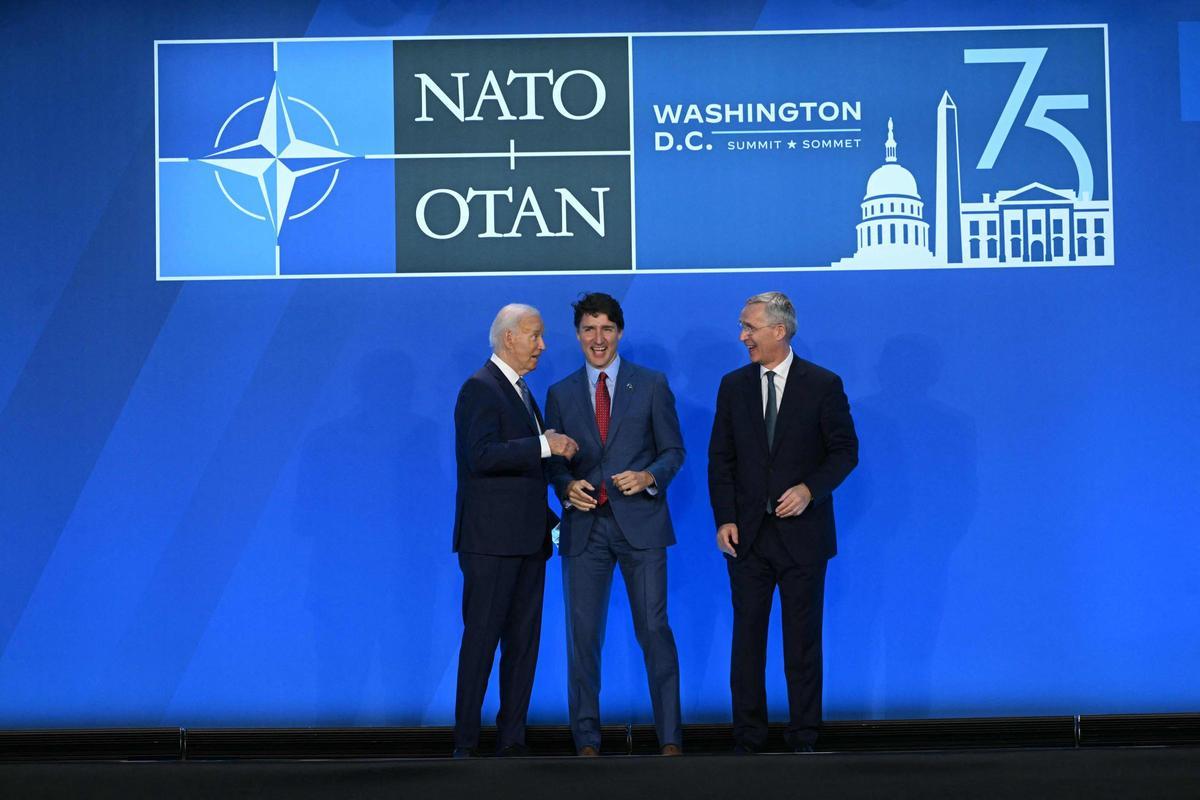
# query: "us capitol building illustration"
{"type": "Point", "coordinates": [1035, 225]}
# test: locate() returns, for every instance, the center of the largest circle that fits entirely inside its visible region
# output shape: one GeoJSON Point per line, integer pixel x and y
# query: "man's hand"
{"type": "Point", "coordinates": [793, 502]}
{"type": "Point", "coordinates": [577, 495]}
{"type": "Point", "coordinates": [727, 539]}
{"type": "Point", "coordinates": [561, 444]}
{"type": "Point", "coordinates": [630, 482]}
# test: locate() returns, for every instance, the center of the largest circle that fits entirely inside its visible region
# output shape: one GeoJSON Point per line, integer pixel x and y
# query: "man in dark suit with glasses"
{"type": "Point", "coordinates": [782, 441]}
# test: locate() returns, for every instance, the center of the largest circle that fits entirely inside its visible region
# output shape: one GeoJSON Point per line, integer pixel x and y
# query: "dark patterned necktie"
{"type": "Point", "coordinates": [527, 399]}
{"type": "Point", "coordinates": [603, 412]}
{"type": "Point", "coordinates": [769, 418]}
{"type": "Point", "coordinates": [772, 408]}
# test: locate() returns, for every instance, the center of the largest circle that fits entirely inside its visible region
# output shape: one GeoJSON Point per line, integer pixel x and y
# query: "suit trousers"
{"type": "Point", "coordinates": [753, 577]}
{"type": "Point", "coordinates": [502, 604]}
{"type": "Point", "coordinates": [587, 583]}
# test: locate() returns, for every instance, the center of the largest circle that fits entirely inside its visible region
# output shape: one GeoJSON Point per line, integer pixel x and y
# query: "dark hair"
{"type": "Point", "coordinates": [599, 303]}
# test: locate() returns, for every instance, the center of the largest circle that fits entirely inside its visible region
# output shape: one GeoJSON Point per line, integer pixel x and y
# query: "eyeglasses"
{"type": "Point", "coordinates": [746, 327]}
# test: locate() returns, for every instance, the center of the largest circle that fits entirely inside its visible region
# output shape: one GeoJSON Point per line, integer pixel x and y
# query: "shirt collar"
{"type": "Point", "coordinates": [781, 370]}
{"type": "Point", "coordinates": [593, 374]}
{"type": "Point", "coordinates": [508, 371]}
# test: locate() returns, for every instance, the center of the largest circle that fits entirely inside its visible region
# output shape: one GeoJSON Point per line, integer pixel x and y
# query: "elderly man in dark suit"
{"type": "Point", "coordinates": [782, 441]}
{"type": "Point", "coordinates": [502, 527]}
{"type": "Point", "coordinates": [615, 514]}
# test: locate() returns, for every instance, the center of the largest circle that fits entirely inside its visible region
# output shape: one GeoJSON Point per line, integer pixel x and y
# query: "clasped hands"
{"type": "Point", "coordinates": [628, 482]}
{"type": "Point", "coordinates": [790, 504]}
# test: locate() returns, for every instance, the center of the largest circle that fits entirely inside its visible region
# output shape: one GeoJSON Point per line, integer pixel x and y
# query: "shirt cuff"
{"type": "Point", "coordinates": [545, 446]}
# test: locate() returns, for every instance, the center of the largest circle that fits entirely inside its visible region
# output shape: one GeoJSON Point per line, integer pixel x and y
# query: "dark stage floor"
{"type": "Point", "coordinates": [1027, 774]}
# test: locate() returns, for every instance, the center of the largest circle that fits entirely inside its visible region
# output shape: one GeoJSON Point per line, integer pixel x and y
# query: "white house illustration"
{"type": "Point", "coordinates": [892, 232]}
{"type": "Point", "coordinates": [1035, 225]}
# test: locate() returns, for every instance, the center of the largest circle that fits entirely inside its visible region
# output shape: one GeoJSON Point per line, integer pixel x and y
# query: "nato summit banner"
{"type": "Point", "coordinates": [820, 150]}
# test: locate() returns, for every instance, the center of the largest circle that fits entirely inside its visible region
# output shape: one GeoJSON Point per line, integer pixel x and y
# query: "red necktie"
{"type": "Point", "coordinates": [603, 409]}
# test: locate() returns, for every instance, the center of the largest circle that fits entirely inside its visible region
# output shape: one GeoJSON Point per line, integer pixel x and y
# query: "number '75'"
{"type": "Point", "coordinates": [1032, 57]}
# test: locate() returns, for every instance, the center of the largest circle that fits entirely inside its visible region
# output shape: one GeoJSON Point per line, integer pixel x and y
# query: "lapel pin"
{"type": "Point", "coordinates": [629, 386]}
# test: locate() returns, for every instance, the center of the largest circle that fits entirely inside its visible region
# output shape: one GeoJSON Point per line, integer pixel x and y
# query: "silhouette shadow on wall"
{"type": "Point", "coordinates": [901, 516]}
{"type": "Point", "coordinates": [363, 485]}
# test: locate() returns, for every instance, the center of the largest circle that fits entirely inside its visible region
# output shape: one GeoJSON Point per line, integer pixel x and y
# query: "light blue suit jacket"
{"type": "Point", "coordinates": [643, 434]}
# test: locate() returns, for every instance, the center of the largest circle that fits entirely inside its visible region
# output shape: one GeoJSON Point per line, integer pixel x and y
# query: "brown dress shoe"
{"type": "Point", "coordinates": [671, 750]}
{"type": "Point", "coordinates": [588, 751]}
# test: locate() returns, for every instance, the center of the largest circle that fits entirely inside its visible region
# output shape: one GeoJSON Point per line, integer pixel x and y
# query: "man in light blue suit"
{"type": "Point", "coordinates": [614, 496]}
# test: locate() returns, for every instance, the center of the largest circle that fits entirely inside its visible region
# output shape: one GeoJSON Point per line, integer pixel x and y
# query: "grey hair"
{"type": "Point", "coordinates": [508, 319]}
{"type": "Point", "coordinates": [779, 309]}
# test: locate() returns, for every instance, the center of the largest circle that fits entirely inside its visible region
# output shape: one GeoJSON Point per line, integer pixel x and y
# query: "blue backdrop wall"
{"type": "Point", "coordinates": [229, 502]}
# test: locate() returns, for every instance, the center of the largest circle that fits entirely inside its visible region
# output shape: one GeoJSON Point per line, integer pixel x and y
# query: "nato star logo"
{"type": "Point", "coordinates": [276, 159]}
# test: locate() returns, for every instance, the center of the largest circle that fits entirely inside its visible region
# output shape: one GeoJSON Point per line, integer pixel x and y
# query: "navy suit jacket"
{"type": "Point", "coordinates": [643, 434]}
{"type": "Point", "coordinates": [500, 508]}
{"type": "Point", "coordinates": [815, 444]}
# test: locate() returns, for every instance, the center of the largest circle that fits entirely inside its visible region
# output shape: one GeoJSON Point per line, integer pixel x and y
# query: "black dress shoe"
{"type": "Point", "coordinates": [803, 748]}
{"type": "Point", "coordinates": [588, 751]}
{"type": "Point", "coordinates": [514, 751]}
{"type": "Point", "coordinates": [740, 749]}
{"type": "Point", "coordinates": [464, 752]}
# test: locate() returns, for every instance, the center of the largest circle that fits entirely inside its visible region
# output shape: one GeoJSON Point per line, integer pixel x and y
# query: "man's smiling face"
{"type": "Point", "coordinates": [599, 337]}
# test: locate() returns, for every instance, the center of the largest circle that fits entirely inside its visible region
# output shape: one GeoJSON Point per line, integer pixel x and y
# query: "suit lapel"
{"type": "Point", "coordinates": [789, 405]}
{"type": "Point", "coordinates": [513, 396]}
{"type": "Point", "coordinates": [583, 399]}
{"type": "Point", "coordinates": [621, 391]}
{"type": "Point", "coordinates": [754, 399]}
{"type": "Point", "coordinates": [537, 412]}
